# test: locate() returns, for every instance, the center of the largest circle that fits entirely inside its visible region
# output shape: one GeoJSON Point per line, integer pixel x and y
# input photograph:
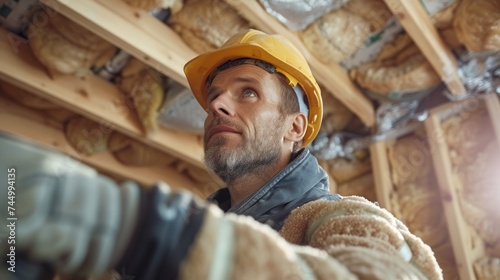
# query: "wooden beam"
{"type": "Point", "coordinates": [132, 30]}
{"type": "Point", "coordinates": [381, 174]}
{"type": "Point", "coordinates": [333, 77]}
{"type": "Point", "coordinates": [94, 98]}
{"type": "Point", "coordinates": [458, 229]}
{"type": "Point", "coordinates": [28, 124]}
{"type": "Point", "coordinates": [493, 105]}
{"type": "Point", "coordinates": [417, 23]}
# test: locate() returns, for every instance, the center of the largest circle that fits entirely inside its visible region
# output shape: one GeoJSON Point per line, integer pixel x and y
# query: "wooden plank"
{"type": "Point", "coordinates": [94, 98]}
{"type": "Point", "coordinates": [333, 77]}
{"type": "Point", "coordinates": [27, 124]}
{"type": "Point", "coordinates": [381, 174]}
{"type": "Point", "coordinates": [459, 232]}
{"type": "Point", "coordinates": [493, 105]}
{"type": "Point", "coordinates": [417, 23]}
{"type": "Point", "coordinates": [132, 30]}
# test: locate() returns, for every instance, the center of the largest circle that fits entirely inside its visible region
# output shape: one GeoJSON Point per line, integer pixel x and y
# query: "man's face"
{"type": "Point", "coordinates": [244, 128]}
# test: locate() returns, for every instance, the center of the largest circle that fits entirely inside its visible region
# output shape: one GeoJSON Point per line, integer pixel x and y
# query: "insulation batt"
{"type": "Point", "coordinates": [339, 33]}
{"type": "Point", "coordinates": [343, 170]}
{"type": "Point", "coordinates": [134, 153]}
{"type": "Point", "coordinates": [65, 47]}
{"type": "Point", "coordinates": [399, 67]}
{"type": "Point", "coordinates": [206, 24]}
{"type": "Point", "coordinates": [366, 246]}
{"type": "Point", "coordinates": [86, 136]}
{"type": "Point", "coordinates": [56, 115]}
{"type": "Point", "coordinates": [144, 88]}
{"type": "Point", "coordinates": [475, 160]}
{"type": "Point", "coordinates": [362, 186]}
{"type": "Point", "coordinates": [477, 24]}
{"type": "Point", "coordinates": [416, 197]}
{"type": "Point", "coordinates": [336, 116]}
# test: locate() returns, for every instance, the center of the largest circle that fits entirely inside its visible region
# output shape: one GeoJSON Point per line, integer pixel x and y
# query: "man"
{"type": "Point", "coordinates": [263, 106]}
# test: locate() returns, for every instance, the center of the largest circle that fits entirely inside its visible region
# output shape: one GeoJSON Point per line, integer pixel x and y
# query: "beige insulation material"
{"type": "Point", "coordinates": [343, 170]}
{"type": "Point", "coordinates": [475, 157]}
{"type": "Point", "coordinates": [231, 246]}
{"type": "Point", "coordinates": [361, 186]}
{"type": "Point", "coordinates": [338, 34]}
{"type": "Point", "coordinates": [134, 153]}
{"type": "Point", "coordinates": [487, 268]}
{"type": "Point", "coordinates": [336, 116]}
{"type": "Point", "coordinates": [243, 259]}
{"type": "Point", "coordinates": [399, 67]}
{"type": "Point", "coordinates": [443, 21]}
{"type": "Point", "coordinates": [206, 24]}
{"type": "Point", "coordinates": [477, 24]}
{"type": "Point", "coordinates": [144, 88]}
{"type": "Point", "coordinates": [63, 46]}
{"type": "Point", "coordinates": [331, 226]}
{"type": "Point", "coordinates": [89, 137]}
{"type": "Point", "coordinates": [468, 132]}
{"type": "Point", "coordinates": [27, 99]}
{"type": "Point", "coordinates": [86, 136]}
{"type": "Point", "coordinates": [411, 161]}
{"type": "Point", "coordinates": [480, 193]}
{"type": "Point", "coordinates": [416, 199]}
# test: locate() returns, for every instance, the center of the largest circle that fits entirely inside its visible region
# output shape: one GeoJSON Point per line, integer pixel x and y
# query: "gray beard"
{"type": "Point", "coordinates": [234, 163]}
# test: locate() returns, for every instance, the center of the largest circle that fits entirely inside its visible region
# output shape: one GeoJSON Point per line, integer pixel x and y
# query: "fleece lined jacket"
{"type": "Point", "coordinates": [301, 181]}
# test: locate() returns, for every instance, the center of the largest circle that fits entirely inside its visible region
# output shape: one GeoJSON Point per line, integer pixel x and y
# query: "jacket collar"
{"type": "Point", "coordinates": [283, 191]}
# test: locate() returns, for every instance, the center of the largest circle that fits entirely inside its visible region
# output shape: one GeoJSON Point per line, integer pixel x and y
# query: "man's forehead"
{"type": "Point", "coordinates": [243, 73]}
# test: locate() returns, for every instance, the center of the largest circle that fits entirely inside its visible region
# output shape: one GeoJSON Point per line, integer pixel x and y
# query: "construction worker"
{"type": "Point", "coordinates": [264, 107]}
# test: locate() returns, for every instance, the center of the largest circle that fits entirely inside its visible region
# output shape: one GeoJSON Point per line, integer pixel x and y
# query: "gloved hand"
{"type": "Point", "coordinates": [63, 212]}
{"type": "Point", "coordinates": [81, 223]}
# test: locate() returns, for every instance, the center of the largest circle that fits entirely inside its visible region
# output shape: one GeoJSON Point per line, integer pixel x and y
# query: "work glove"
{"type": "Point", "coordinates": [61, 212]}
{"type": "Point", "coordinates": [77, 222]}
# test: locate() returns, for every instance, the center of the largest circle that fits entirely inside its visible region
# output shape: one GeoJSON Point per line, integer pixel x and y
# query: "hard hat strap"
{"type": "Point", "coordinates": [303, 107]}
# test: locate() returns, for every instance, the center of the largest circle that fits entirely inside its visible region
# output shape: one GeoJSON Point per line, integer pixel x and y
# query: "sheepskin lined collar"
{"type": "Point", "coordinates": [301, 181]}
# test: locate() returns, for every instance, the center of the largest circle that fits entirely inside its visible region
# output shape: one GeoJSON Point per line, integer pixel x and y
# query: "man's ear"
{"type": "Point", "coordinates": [297, 128]}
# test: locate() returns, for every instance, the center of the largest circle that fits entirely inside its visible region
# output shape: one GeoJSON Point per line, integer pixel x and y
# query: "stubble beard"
{"type": "Point", "coordinates": [244, 160]}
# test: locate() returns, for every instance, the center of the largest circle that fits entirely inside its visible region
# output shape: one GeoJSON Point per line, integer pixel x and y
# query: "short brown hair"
{"type": "Point", "coordinates": [289, 103]}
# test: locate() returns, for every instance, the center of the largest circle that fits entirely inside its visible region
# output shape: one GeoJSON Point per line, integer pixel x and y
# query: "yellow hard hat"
{"type": "Point", "coordinates": [273, 49]}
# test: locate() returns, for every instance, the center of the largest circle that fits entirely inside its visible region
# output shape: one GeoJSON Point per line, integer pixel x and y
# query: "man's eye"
{"type": "Point", "coordinates": [249, 93]}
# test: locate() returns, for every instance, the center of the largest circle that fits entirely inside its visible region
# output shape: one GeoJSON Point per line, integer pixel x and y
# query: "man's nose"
{"type": "Point", "coordinates": [222, 105]}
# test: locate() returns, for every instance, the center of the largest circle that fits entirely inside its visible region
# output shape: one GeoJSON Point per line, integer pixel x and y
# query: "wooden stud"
{"type": "Point", "coordinates": [460, 236]}
{"type": "Point", "coordinates": [493, 105]}
{"type": "Point", "coordinates": [381, 174]}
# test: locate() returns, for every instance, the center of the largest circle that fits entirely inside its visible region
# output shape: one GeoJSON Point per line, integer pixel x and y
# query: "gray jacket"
{"type": "Point", "coordinates": [301, 181]}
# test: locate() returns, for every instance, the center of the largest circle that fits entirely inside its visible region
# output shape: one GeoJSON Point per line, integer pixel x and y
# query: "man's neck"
{"type": "Point", "coordinates": [249, 184]}
{"type": "Point", "coordinates": [245, 186]}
